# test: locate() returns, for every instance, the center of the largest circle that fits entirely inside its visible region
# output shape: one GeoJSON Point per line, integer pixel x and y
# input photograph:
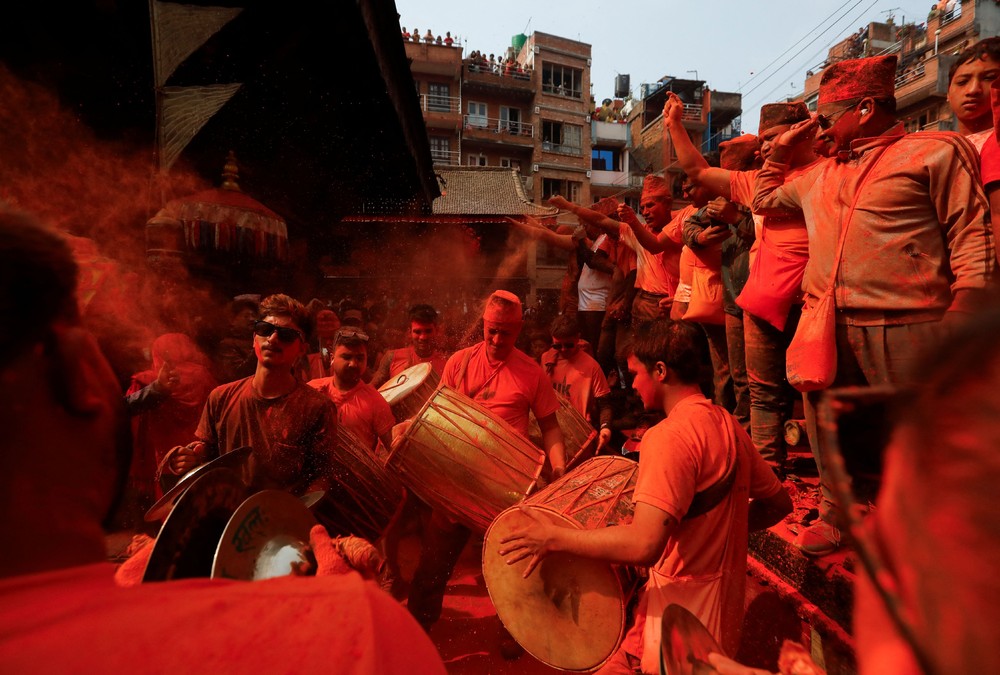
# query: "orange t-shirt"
{"type": "Point", "coordinates": [361, 410]}
{"type": "Point", "coordinates": [407, 357]}
{"type": "Point", "coordinates": [580, 379]}
{"type": "Point", "coordinates": [518, 386]}
{"type": "Point", "coordinates": [784, 233]}
{"type": "Point", "coordinates": [705, 557]}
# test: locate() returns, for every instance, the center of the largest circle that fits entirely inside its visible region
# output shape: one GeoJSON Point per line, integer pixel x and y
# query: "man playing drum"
{"type": "Point", "coordinates": [577, 376]}
{"type": "Point", "coordinates": [701, 488]}
{"type": "Point", "coordinates": [423, 347]}
{"type": "Point", "coordinates": [508, 382]}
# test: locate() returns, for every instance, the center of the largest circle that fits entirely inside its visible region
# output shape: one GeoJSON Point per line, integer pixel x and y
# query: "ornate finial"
{"type": "Point", "coordinates": [231, 173]}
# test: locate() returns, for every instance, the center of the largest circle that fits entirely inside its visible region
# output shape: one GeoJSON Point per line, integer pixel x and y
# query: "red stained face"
{"type": "Point", "coordinates": [655, 211]}
{"type": "Point", "coordinates": [422, 336]}
{"type": "Point", "coordinates": [645, 384]}
{"type": "Point", "coordinates": [272, 351]}
{"type": "Point", "coordinates": [349, 364]}
{"type": "Point", "coordinates": [500, 339]}
{"type": "Point", "coordinates": [969, 94]}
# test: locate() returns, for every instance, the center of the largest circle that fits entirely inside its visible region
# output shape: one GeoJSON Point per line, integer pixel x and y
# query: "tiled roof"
{"type": "Point", "coordinates": [484, 191]}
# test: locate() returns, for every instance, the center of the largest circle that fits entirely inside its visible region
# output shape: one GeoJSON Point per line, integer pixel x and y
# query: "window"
{"type": "Point", "coordinates": [440, 149]}
{"type": "Point", "coordinates": [605, 159]}
{"type": "Point", "coordinates": [562, 80]}
{"type": "Point", "coordinates": [508, 163]}
{"type": "Point", "coordinates": [477, 114]}
{"type": "Point", "coordinates": [562, 138]}
{"type": "Point", "coordinates": [510, 119]}
{"type": "Point", "coordinates": [565, 188]}
{"type": "Point", "coordinates": [477, 160]}
{"type": "Point", "coordinates": [438, 97]}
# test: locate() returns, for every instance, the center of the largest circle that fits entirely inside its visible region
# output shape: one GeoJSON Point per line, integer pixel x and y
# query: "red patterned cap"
{"type": "Point", "coordinates": [858, 78]}
{"type": "Point", "coordinates": [773, 114]}
{"type": "Point", "coordinates": [655, 186]}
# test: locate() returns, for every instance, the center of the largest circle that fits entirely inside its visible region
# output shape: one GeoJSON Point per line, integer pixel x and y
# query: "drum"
{"type": "Point", "coordinates": [464, 460]}
{"type": "Point", "coordinates": [579, 437]}
{"type": "Point", "coordinates": [363, 495]}
{"type": "Point", "coordinates": [407, 392]}
{"type": "Point", "coordinates": [571, 612]}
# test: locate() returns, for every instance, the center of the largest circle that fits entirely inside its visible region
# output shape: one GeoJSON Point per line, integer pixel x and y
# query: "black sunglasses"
{"type": "Point", "coordinates": [265, 329]}
{"type": "Point", "coordinates": [563, 345]}
{"type": "Point", "coordinates": [351, 334]}
{"type": "Point", "coordinates": [825, 122]}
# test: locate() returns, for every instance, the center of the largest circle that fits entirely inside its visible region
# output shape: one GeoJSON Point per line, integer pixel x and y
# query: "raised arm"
{"type": "Point", "coordinates": [688, 156]}
{"type": "Point", "coordinates": [534, 229]}
{"type": "Point", "coordinates": [588, 215]}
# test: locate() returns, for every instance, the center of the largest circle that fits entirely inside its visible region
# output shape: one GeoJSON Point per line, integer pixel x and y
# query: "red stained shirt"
{"type": "Point", "coordinates": [362, 410]}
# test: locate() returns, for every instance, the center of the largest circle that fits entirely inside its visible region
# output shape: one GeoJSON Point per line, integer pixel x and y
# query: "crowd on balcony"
{"type": "Point", "coordinates": [478, 62]}
{"type": "Point", "coordinates": [429, 37]}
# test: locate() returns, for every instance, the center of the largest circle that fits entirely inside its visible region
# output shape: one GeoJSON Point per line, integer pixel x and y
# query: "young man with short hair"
{"type": "Point", "coordinates": [694, 544]}
{"type": "Point", "coordinates": [577, 376]}
{"type": "Point", "coordinates": [291, 428]}
{"type": "Point", "coordinates": [423, 347]}
{"type": "Point", "coordinates": [969, 80]}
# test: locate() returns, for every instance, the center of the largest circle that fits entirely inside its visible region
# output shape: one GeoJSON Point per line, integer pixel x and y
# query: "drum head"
{"type": "Point", "coordinates": [397, 388]}
{"type": "Point", "coordinates": [190, 535]}
{"type": "Point", "coordinates": [569, 614]}
{"type": "Point", "coordinates": [685, 643]}
{"type": "Point", "coordinates": [235, 460]}
{"type": "Point", "coordinates": [266, 537]}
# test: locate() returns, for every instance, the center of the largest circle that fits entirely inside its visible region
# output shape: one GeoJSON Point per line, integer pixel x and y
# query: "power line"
{"type": "Point", "coordinates": [794, 45]}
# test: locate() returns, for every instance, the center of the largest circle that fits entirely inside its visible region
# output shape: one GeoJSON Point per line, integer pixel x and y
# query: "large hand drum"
{"type": "Point", "coordinates": [570, 613]}
{"type": "Point", "coordinates": [407, 393]}
{"type": "Point", "coordinates": [363, 495]}
{"type": "Point", "coordinates": [465, 461]}
{"type": "Point", "coordinates": [579, 438]}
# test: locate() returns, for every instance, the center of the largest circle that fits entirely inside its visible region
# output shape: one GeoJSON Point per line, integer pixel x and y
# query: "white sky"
{"type": "Point", "coordinates": [761, 48]}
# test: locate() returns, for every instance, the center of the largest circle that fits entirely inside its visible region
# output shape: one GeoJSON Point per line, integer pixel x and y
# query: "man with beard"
{"type": "Point", "coordinates": [423, 347]}
{"type": "Point", "coordinates": [360, 408]}
{"type": "Point", "coordinates": [897, 223]}
{"type": "Point", "coordinates": [291, 427]}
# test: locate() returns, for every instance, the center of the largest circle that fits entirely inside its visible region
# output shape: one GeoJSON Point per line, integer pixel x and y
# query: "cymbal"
{"type": "Point", "coordinates": [685, 643]}
{"type": "Point", "coordinates": [236, 460]}
{"type": "Point", "coordinates": [311, 499]}
{"type": "Point", "coordinates": [267, 536]}
{"type": "Point", "coordinates": [190, 534]}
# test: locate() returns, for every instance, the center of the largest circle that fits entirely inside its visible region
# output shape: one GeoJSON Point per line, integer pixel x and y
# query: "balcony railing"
{"type": "Point", "coordinates": [449, 157]}
{"type": "Point", "coordinates": [910, 75]}
{"type": "Point", "coordinates": [444, 104]}
{"type": "Point", "coordinates": [499, 126]}
{"type": "Point", "coordinates": [549, 146]}
{"type": "Point", "coordinates": [692, 112]}
{"type": "Point", "coordinates": [953, 15]}
{"type": "Point", "coordinates": [499, 70]}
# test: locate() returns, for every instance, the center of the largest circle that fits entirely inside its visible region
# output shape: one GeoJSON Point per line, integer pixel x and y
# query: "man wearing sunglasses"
{"type": "Point", "coordinates": [577, 376]}
{"type": "Point", "coordinates": [916, 242]}
{"type": "Point", "coordinates": [60, 609]}
{"type": "Point", "coordinates": [291, 427]}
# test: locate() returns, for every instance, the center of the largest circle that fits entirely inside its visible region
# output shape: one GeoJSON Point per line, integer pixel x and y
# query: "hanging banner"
{"type": "Point", "coordinates": [178, 30]}
{"type": "Point", "coordinates": [185, 110]}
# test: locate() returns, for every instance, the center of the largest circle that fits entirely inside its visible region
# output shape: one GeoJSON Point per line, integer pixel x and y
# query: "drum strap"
{"type": "Point", "coordinates": [463, 371]}
{"type": "Point", "coordinates": [712, 496]}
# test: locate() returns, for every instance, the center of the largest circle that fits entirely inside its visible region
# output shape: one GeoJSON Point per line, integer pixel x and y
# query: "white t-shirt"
{"type": "Point", "coordinates": [594, 285]}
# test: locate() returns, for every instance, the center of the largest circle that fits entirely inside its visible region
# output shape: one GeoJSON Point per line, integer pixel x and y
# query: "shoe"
{"type": "Point", "coordinates": [820, 538]}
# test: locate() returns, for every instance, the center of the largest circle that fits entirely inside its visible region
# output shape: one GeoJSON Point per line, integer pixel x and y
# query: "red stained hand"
{"type": "Point", "coordinates": [714, 234]}
{"type": "Point", "coordinates": [533, 540]}
{"type": "Point", "coordinates": [187, 457]}
{"type": "Point", "coordinates": [627, 215]}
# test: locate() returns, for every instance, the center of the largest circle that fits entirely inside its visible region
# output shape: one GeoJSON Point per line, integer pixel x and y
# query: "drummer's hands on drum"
{"type": "Point", "coordinates": [534, 540]}
{"type": "Point", "coordinates": [603, 438]}
{"type": "Point", "coordinates": [186, 457]}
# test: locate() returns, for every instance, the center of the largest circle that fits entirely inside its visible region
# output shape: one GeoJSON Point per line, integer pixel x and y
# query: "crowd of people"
{"type": "Point", "coordinates": [837, 231]}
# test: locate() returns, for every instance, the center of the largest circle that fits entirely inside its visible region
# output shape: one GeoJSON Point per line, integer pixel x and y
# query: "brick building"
{"type": "Point", "coordinates": [531, 114]}
{"type": "Point", "coordinates": [926, 52]}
